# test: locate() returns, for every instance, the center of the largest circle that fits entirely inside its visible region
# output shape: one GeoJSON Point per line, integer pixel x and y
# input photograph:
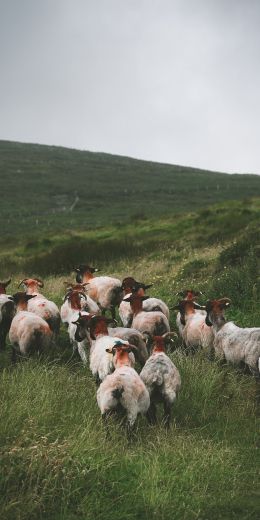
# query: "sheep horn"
{"type": "Point", "coordinates": [169, 335]}
{"type": "Point", "coordinates": [22, 281]}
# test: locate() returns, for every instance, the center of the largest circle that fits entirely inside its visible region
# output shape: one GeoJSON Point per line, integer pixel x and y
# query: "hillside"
{"type": "Point", "coordinates": [45, 188]}
{"type": "Point", "coordinates": [56, 461]}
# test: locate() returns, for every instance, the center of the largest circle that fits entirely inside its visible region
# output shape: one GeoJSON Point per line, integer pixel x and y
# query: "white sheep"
{"type": "Point", "coordinates": [123, 388]}
{"type": "Point", "coordinates": [95, 329]}
{"type": "Point", "coordinates": [77, 300]}
{"type": "Point", "coordinates": [188, 294]}
{"type": "Point", "coordinates": [6, 312]}
{"type": "Point", "coordinates": [104, 290]}
{"type": "Point", "coordinates": [162, 378]}
{"type": "Point", "coordinates": [195, 331]}
{"type": "Point", "coordinates": [155, 322]}
{"type": "Point", "coordinates": [134, 337]}
{"type": "Point", "coordinates": [130, 285]}
{"type": "Point", "coordinates": [28, 332]}
{"type": "Point", "coordinates": [40, 305]}
{"type": "Point", "coordinates": [233, 343]}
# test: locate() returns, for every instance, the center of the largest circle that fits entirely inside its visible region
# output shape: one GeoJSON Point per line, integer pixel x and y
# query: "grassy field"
{"type": "Point", "coordinates": [47, 189]}
{"type": "Point", "coordinates": [56, 462]}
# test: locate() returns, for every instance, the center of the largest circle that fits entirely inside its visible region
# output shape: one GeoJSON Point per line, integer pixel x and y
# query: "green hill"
{"type": "Point", "coordinates": [47, 188]}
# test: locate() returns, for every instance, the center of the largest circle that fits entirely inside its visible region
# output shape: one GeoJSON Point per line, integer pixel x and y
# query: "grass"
{"type": "Point", "coordinates": [55, 460]}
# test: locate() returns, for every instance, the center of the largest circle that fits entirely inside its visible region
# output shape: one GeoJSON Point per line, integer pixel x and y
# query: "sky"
{"type": "Point", "coordinates": [175, 81]}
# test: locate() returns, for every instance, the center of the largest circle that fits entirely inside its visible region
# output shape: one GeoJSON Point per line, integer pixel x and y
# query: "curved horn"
{"type": "Point", "coordinates": [22, 281]}
{"type": "Point", "coordinates": [170, 335]}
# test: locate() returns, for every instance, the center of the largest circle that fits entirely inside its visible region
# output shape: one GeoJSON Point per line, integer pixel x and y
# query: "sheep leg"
{"type": "Point", "coordinates": [151, 414]}
{"type": "Point", "coordinates": [14, 356]}
{"type": "Point", "coordinates": [167, 413]}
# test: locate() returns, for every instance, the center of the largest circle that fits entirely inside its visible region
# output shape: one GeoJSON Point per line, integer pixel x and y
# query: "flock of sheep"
{"type": "Point", "coordinates": [33, 322]}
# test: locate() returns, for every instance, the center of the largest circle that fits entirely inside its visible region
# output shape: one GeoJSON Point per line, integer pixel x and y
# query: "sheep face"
{"type": "Point", "coordinates": [31, 285]}
{"type": "Point", "coordinates": [215, 311]}
{"type": "Point", "coordinates": [84, 272]}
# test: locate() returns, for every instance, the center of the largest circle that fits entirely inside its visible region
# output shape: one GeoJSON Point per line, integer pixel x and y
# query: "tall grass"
{"type": "Point", "coordinates": [56, 461]}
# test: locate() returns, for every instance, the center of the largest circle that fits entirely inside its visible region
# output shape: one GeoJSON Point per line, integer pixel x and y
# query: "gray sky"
{"type": "Point", "coordinates": [174, 81]}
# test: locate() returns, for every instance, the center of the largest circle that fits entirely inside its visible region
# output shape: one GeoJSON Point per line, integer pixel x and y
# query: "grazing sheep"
{"type": "Point", "coordinates": [195, 332]}
{"type": "Point", "coordinates": [161, 378]}
{"type": "Point", "coordinates": [123, 388]}
{"type": "Point", "coordinates": [40, 305]}
{"type": "Point", "coordinates": [188, 294]}
{"type": "Point", "coordinates": [28, 332]}
{"type": "Point", "coordinates": [104, 290]}
{"type": "Point", "coordinates": [130, 285]}
{"type": "Point", "coordinates": [233, 343]}
{"type": "Point", "coordinates": [155, 322]}
{"type": "Point", "coordinates": [95, 328]}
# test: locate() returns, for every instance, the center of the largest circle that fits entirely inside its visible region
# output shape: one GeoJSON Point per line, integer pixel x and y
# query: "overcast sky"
{"type": "Point", "coordinates": [174, 81]}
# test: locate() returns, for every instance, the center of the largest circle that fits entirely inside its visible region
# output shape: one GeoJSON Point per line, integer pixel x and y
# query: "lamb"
{"type": "Point", "coordinates": [6, 312]}
{"type": "Point", "coordinates": [155, 323]}
{"type": "Point", "coordinates": [130, 285]}
{"type": "Point", "coordinates": [28, 332]}
{"type": "Point", "coordinates": [95, 327]}
{"type": "Point", "coordinates": [75, 300]}
{"type": "Point", "coordinates": [44, 308]}
{"type": "Point", "coordinates": [188, 294]}
{"type": "Point", "coordinates": [104, 290]}
{"type": "Point", "coordinates": [123, 387]}
{"type": "Point", "coordinates": [195, 331]}
{"type": "Point", "coordinates": [161, 378]}
{"type": "Point", "coordinates": [233, 343]}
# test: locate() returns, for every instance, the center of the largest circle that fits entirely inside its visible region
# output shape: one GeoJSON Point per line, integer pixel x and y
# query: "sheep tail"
{"type": "Point", "coordinates": [117, 392]}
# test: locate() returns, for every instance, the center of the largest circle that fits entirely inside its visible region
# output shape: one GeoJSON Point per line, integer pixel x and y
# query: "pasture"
{"type": "Point", "coordinates": [56, 461]}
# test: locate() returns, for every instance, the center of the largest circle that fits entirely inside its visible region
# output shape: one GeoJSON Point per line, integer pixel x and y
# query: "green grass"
{"type": "Point", "coordinates": [39, 185]}
{"type": "Point", "coordinates": [55, 460]}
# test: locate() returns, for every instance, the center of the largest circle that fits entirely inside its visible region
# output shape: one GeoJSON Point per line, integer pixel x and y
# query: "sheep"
{"type": "Point", "coordinates": [155, 322]}
{"type": "Point", "coordinates": [28, 332]}
{"type": "Point", "coordinates": [161, 378]}
{"type": "Point", "coordinates": [195, 331]}
{"type": "Point", "coordinates": [6, 313]}
{"type": "Point", "coordinates": [123, 388]}
{"type": "Point", "coordinates": [130, 285]}
{"type": "Point", "coordinates": [75, 300]}
{"type": "Point", "coordinates": [95, 328]}
{"type": "Point", "coordinates": [134, 337]}
{"type": "Point", "coordinates": [188, 294]}
{"type": "Point", "coordinates": [104, 290]}
{"type": "Point", "coordinates": [40, 305]}
{"type": "Point", "coordinates": [235, 344]}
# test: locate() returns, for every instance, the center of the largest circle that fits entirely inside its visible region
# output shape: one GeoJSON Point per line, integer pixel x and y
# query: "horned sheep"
{"type": "Point", "coordinates": [104, 290]}
{"type": "Point", "coordinates": [123, 387]}
{"type": "Point", "coordinates": [28, 332]}
{"type": "Point", "coordinates": [235, 344]}
{"type": "Point", "coordinates": [161, 377]}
